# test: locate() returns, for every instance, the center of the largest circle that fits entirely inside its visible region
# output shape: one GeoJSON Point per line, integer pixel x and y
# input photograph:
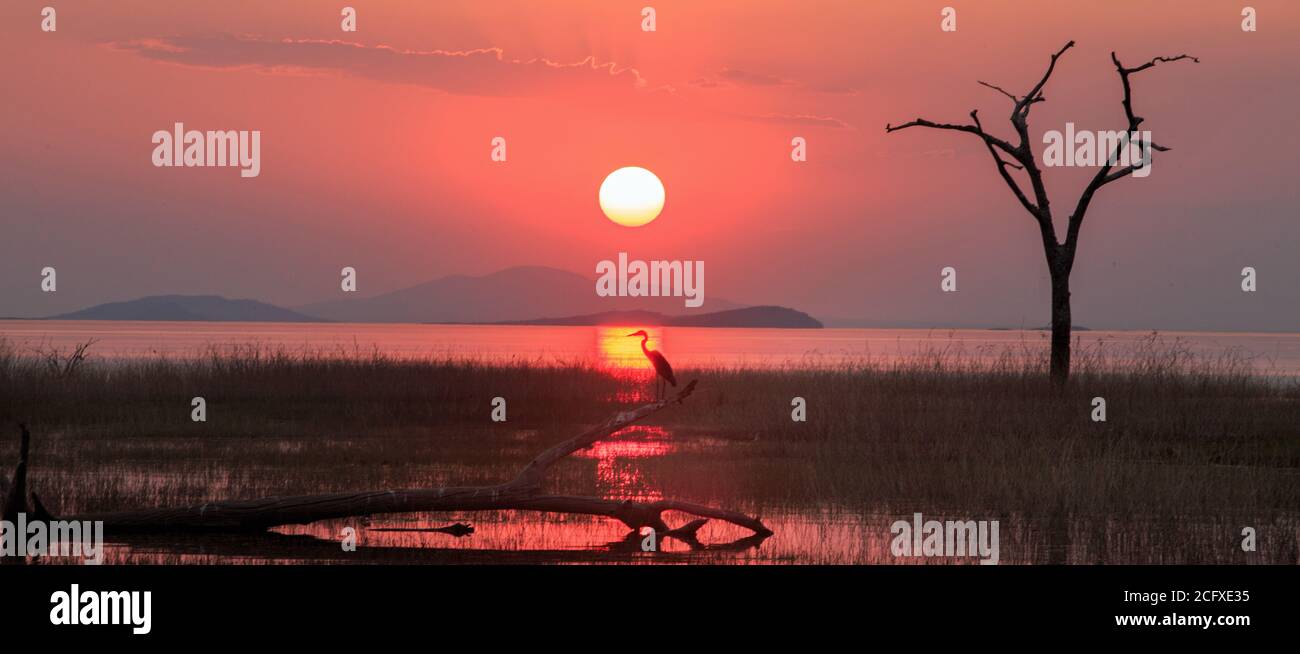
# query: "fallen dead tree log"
{"type": "Point", "coordinates": [459, 530]}
{"type": "Point", "coordinates": [521, 493]}
{"type": "Point", "coordinates": [13, 495]}
{"type": "Point", "coordinates": [14, 500]}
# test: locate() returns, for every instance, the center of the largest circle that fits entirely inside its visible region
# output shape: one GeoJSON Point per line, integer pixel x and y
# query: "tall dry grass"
{"type": "Point", "coordinates": [1186, 437]}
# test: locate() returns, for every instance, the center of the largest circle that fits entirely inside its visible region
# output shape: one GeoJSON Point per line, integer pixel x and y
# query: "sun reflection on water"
{"type": "Point", "coordinates": [622, 357]}
{"type": "Point", "coordinates": [621, 352]}
{"type": "Point", "coordinates": [618, 477]}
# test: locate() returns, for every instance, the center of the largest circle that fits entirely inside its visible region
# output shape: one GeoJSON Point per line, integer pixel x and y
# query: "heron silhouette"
{"type": "Point", "coordinates": [662, 368]}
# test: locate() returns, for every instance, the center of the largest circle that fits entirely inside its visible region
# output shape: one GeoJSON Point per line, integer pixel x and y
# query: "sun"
{"type": "Point", "coordinates": [632, 196]}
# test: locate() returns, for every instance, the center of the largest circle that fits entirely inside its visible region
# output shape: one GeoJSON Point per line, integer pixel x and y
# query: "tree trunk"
{"type": "Point", "coordinates": [1060, 370]}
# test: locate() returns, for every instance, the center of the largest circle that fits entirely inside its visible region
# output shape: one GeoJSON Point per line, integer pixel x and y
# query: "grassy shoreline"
{"type": "Point", "coordinates": [1202, 442]}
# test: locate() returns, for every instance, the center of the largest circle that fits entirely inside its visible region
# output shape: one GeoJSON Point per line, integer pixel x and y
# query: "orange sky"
{"type": "Point", "coordinates": [375, 151]}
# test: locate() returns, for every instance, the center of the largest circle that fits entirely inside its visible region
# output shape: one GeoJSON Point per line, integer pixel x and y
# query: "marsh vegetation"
{"type": "Point", "coordinates": [1192, 451]}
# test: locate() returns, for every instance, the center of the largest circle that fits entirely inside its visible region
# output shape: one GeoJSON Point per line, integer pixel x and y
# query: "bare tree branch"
{"type": "Point", "coordinates": [1035, 95]}
{"type": "Point", "coordinates": [970, 129]}
{"type": "Point", "coordinates": [15, 498]}
{"type": "Point", "coordinates": [1001, 90]}
{"type": "Point", "coordinates": [1105, 175]}
{"type": "Point", "coordinates": [1020, 120]}
{"type": "Point", "coordinates": [1157, 60]}
{"type": "Point", "coordinates": [1006, 176]}
{"type": "Point", "coordinates": [1040, 207]}
{"type": "Point", "coordinates": [531, 476]}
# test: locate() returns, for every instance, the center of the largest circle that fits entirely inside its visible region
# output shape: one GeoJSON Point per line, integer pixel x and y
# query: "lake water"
{"type": "Point", "coordinates": [1273, 354]}
{"type": "Point", "coordinates": [161, 466]}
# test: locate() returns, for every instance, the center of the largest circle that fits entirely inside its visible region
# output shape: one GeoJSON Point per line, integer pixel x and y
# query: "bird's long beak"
{"type": "Point", "coordinates": [635, 334]}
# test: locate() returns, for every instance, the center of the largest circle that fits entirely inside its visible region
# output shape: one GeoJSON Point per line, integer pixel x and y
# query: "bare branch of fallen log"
{"type": "Point", "coordinates": [531, 475]}
{"type": "Point", "coordinates": [15, 498]}
{"type": "Point", "coordinates": [632, 541]}
{"type": "Point", "coordinates": [521, 493]}
{"type": "Point", "coordinates": [458, 530]}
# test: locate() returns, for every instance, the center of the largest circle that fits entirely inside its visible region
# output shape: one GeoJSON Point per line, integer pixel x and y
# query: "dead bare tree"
{"type": "Point", "coordinates": [1060, 256]}
{"type": "Point", "coordinates": [524, 493]}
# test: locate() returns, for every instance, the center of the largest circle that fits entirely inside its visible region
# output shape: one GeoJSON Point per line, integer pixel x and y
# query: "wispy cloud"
{"type": "Point", "coordinates": [484, 72]}
{"type": "Point", "coordinates": [802, 119]}
{"type": "Point", "coordinates": [734, 77]}
{"type": "Point", "coordinates": [746, 78]}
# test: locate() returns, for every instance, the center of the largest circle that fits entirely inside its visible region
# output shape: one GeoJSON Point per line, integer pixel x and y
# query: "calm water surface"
{"type": "Point", "coordinates": [1276, 354]}
{"type": "Point", "coordinates": [804, 534]}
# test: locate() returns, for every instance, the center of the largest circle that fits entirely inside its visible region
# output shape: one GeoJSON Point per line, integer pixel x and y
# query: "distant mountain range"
{"type": "Point", "coordinates": [746, 317]}
{"type": "Point", "coordinates": [523, 295]}
{"type": "Point", "coordinates": [513, 294]}
{"type": "Point", "coordinates": [188, 307]}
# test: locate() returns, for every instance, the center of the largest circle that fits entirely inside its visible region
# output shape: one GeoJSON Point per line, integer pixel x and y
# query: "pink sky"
{"type": "Point", "coordinates": [375, 152]}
